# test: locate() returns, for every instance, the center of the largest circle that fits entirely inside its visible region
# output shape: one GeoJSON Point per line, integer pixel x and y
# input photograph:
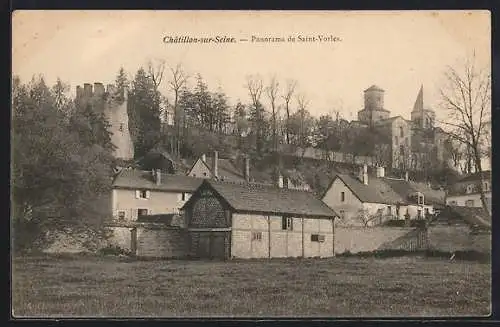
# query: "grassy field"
{"type": "Point", "coordinates": [337, 287]}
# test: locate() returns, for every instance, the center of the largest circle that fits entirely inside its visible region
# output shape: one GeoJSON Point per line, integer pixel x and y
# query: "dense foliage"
{"type": "Point", "coordinates": [61, 159]}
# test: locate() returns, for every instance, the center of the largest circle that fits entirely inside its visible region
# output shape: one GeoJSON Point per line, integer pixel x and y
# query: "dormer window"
{"type": "Point", "coordinates": [469, 189]}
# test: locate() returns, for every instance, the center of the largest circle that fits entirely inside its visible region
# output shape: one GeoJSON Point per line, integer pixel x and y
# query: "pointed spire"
{"type": "Point", "coordinates": [419, 103]}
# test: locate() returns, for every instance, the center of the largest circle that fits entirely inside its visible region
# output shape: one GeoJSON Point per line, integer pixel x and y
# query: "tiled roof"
{"type": "Point", "coordinates": [260, 198]}
{"type": "Point", "coordinates": [226, 169]}
{"type": "Point", "coordinates": [390, 191]}
{"type": "Point", "coordinates": [139, 179]}
{"type": "Point", "coordinates": [375, 192]}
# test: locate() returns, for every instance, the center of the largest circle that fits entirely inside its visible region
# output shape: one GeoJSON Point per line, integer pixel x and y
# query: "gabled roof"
{"type": "Point", "coordinates": [389, 191]}
{"type": "Point", "coordinates": [226, 168]}
{"type": "Point", "coordinates": [375, 192]}
{"type": "Point", "coordinates": [266, 199]}
{"type": "Point", "coordinates": [139, 179]}
{"type": "Point", "coordinates": [389, 120]}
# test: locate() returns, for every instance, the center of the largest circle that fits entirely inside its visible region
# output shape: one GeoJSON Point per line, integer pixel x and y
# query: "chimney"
{"type": "Point", "coordinates": [215, 164]}
{"type": "Point", "coordinates": [246, 172]}
{"type": "Point", "coordinates": [380, 172]}
{"type": "Point", "coordinates": [365, 174]}
{"type": "Point", "coordinates": [406, 176]}
{"type": "Point", "coordinates": [280, 180]}
{"type": "Point", "coordinates": [157, 176]}
{"type": "Point", "coordinates": [204, 158]}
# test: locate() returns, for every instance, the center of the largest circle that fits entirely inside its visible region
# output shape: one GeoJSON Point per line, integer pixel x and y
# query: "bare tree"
{"type": "Point", "coordinates": [467, 99]}
{"type": "Point", "coordinates": [155, 72]}
{"type": "Point", "coordinates": [287, 97]}
{"type": "Point", "coordinates": [302, 103]}
{"type": "Point", "coordinates": [255, 88]}
{"type": "Point", "coordinates": [272, 93]}
{"type": "Point", "coordinates": [176, 84]}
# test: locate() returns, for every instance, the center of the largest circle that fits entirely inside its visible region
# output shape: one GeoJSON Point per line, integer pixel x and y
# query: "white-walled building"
{"type": "Point", "coordinates": [249, 220]}
{"type": "Point", "coordinates": [465, 193]}
{"type": "Point", "coordinates": [365, 200]}
{"type": "Point", "coordinates": [136, 193]}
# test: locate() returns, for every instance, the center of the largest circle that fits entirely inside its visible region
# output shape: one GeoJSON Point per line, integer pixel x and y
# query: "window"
{"type": "Point", "coordinates": [143, 194]}
{"type": "Point", "coordinates": [287, 223]}
{"type": "Point", "coordinates": [420, 199]}
{"type": "Point", "coordinates": [401, 131]}
{"type": "Point", "coordinates": [121, 215]}
{"type": "Point", "coordinates": [419, 213]}
{"type": "Point", "coordinates": [453, 202]}
{"type": "Point", "coordinates": [183, 197]}
{"type": "Point", "coordinates": [317, 238]}
{"type": "Point", "coordinates": [256, 236]}
{"type": "Point", "coordinates": [342, 196]}
{"type": "Point", "coordinates": [469, 203]}
{"type": "Point", "coordinates": [469, 189]}
{"type": "Point", "coordinates": [142, 212]}
{"type": "Point", "coordinates": [486, 187]}
{"type": "Point", "coordinates": [204, 174]}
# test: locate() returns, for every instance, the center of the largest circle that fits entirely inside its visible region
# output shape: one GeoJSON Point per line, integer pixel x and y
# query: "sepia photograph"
{"type": "Point", "coordinates": [266, 164]}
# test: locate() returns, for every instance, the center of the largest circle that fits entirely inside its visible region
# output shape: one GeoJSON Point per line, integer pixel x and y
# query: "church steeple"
{"type": "Point", "coordinates": [419, 102]}
{"type": "Point", "coordinates": [421, 116]}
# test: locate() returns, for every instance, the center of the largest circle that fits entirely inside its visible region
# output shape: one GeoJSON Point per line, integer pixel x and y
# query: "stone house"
{"type": "Point", "coordinates": [365, 200]}
{"type": "Point", "coordinates": [465, 192]}
{"type": "Point", "coordinates": [248, 220]}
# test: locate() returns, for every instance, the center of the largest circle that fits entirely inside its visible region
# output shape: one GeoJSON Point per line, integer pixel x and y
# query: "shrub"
{"type": "Point", "coordinates": [114, 250]}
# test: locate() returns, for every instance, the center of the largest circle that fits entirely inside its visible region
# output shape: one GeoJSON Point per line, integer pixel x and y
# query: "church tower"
{"type": "Point", "coordinates": [421, 116]}
{"type": "Point", "coordinates": [374, 106]}
{"type": "Point", "coordinates": [114, 106]}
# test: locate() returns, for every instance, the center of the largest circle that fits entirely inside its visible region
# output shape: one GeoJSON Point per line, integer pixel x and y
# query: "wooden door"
{"type": "Point", "coordinates": [203, 250]}
{"type": "Point", "coordinates": [217, 246]}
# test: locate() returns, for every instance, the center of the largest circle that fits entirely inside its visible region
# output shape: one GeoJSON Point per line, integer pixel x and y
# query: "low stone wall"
{"type": "Point", "coordinates": [458, 238]}
{"type": "Point", "coordinates": [152, 240]}
{"type": "Point", "coordinates": [368, 239]}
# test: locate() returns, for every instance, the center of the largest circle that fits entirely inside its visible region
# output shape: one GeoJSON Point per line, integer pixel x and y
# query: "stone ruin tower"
{"type": "Point", "coordinates": [114, 106]}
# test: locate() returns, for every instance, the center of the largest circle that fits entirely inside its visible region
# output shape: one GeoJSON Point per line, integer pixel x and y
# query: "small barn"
{"type": "Point", "coordinates": [248, 220]}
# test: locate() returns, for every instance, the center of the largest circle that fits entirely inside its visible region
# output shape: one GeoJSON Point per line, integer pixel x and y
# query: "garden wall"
{"type": "Point", "coordinates": [368, 239]}
{"type": "Point", "coordinates": [152, 240]}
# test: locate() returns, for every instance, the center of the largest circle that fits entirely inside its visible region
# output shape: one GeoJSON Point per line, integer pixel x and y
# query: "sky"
{"type": "Point", "coordinates": [398, 51]}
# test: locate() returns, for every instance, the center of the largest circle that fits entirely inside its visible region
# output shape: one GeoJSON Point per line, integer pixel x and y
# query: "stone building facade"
{"type": "Point", "coordinates": [114, 106]}
{"type": "Point", "coordinates": [414, 144]}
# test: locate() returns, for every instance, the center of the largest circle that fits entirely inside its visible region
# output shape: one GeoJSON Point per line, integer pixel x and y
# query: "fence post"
{"type": "Point", "coordinates": [133, 240]}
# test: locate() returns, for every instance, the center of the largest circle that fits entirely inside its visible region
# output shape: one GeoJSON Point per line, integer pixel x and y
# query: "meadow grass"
{"type": "Point", "coordinates": [87, 286]}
